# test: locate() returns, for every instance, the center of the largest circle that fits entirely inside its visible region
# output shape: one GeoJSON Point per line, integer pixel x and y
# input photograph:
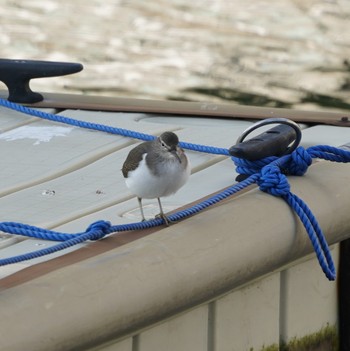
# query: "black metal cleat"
{"type": "Point", "coordinates": [274, 142]}
{"type": "Point", "coordinates": [278, 141]}
{"type": "Point", "coordinates": [16, 74]}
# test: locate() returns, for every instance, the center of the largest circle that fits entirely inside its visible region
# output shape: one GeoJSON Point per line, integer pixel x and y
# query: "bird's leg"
{"type": "Point", "coordinates": [139, 199]}
{"type": "Point", "coordinates": [166, 220]}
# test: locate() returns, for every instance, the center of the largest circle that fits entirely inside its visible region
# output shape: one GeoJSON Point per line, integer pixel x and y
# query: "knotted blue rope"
{"type": "Point", "coordinates": [95, 231]}
{"type": "Point", "coordinates": [269, 174]}
{"type": "Point", "coordinates": [100, 229]}
{"type": "Point", "coordinates": [272, 179]}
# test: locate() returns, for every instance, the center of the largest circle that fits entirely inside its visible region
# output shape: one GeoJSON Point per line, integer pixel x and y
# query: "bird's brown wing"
{"type": "Point", "coordinates": [133, 159]}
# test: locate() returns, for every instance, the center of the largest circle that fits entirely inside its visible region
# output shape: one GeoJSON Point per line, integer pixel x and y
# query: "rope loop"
{"type": "Point", "coordinates": [300, 160]}
{"type": "Point", "coordinates": [273, 181]}
{"type": "Point", "coordinates": [315, 234]}
{"type": "Point", "coordinates": [248, 168]}
{"type": "Point", "coordinates": [329, 153]}
{"type": "Point", "coordinates": [99, 229]}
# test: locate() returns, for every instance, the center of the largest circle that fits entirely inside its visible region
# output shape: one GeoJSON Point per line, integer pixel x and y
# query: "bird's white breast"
{"type": "Point", "coordinates": [146, 185]}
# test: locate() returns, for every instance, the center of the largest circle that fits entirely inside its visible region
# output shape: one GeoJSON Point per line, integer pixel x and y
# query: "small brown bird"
{"type": "Point", "coordinates": [156, 168]}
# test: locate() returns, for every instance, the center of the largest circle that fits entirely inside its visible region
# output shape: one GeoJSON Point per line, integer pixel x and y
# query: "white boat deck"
{"type": "Point", "coordinates": [64, 178]}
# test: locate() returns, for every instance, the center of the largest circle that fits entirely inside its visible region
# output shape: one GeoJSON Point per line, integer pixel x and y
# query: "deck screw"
{"type": "Point", "coordinates": [48, 192]}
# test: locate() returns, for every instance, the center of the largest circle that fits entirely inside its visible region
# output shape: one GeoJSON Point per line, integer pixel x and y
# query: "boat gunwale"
{"type": "Point", "coordinates": [185, 108]}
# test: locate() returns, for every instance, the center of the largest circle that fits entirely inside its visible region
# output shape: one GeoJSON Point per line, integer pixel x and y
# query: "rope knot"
{"type": "Point", "coordinates": [248, 167]}
{"type": "Point", "coordinates": [272, 181]}
{"type": "Point", "coordinates": [99, 229]}
{"type": "Point", "coordinates": [300, 161]}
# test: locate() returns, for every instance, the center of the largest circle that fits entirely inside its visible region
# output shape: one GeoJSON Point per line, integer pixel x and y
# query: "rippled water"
{"type": "Point", "coordinates": [283, 53]}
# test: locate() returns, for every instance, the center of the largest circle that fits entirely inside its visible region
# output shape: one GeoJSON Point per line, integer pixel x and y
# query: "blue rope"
{"type": "Point", "coordinates": [269, 174]}
{"type": "Point", "coordinates": [105, 128]}
{"type": "Point", "coordinates": [99, 229]}
{"type": "Point", "coordinates": [273, 180]}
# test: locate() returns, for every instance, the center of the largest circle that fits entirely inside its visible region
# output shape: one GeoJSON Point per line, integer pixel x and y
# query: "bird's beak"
{"type": "Point", "coordinates": [176, 154]}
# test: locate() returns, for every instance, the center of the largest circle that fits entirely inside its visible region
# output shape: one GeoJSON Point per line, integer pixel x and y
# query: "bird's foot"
{"type": "Point", "coordinates": [166, 220]}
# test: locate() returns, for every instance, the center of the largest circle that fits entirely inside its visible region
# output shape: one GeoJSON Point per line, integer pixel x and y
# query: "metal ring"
{"type": "Point", "coordinates": [264, 122]}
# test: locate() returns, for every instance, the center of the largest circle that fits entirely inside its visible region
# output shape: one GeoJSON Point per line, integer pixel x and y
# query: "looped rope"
{"type": "Point", "coordinates": [99, 229]}
{"type": "Point", "coordinates": [329, 153]}
{"type": "Point", "coordinates": [251, 167]}
{"type": "Point", "coordinates": [315, 234]}
{"type": "Point", "coordinates": [272, 181]}
{"type": "Point", "coordinates": [300, 161]}
{"type": "Point", "coordinates": [269, 173]}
